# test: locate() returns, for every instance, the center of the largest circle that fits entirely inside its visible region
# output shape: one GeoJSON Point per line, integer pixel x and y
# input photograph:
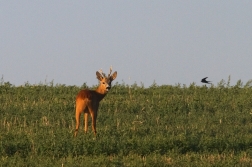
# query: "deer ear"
{"type": "Point", "coordinates": [99, 76]}
{"type": "Point", "coordinates": [113, 76]}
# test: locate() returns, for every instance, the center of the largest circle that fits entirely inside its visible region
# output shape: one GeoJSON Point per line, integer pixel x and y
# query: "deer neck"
{"type": "Point", "coordinates": [101, 93]}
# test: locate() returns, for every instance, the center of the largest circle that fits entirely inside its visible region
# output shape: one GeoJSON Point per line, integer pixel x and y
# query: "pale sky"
{"type": "Point", "coordinates": [166, 41]}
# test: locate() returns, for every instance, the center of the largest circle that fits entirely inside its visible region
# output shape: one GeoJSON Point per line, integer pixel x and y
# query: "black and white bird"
{"type": "Point", "coordinates": [205, 81]}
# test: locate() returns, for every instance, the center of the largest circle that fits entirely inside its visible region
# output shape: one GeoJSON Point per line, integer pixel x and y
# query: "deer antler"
{"type": "Point", "coordinates": [110, 70]}
{"type": "Point", "coordinates": [101, 72]}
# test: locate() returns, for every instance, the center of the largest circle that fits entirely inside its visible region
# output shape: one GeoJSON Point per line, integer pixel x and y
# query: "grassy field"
{"type": "Point", "coordinates": [157, 126]}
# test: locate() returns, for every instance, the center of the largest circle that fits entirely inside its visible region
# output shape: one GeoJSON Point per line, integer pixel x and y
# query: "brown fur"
{"type": "Point", "coordinates": [87, 101]}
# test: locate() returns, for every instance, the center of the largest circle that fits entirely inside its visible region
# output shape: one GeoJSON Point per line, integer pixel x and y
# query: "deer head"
{"type": "Point", "coordinates": [105, 81]}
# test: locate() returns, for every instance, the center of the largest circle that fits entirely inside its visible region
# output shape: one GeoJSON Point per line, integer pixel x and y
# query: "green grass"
{"type": "Point", "coordinates": [156, 126]}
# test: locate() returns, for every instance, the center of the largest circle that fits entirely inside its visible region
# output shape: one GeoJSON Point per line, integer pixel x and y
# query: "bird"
{"type": "Point", "coordinates": [205, 81]}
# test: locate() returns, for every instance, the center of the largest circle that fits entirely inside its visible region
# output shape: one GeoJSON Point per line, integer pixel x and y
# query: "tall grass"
{"type": "Point", "coordinates": [156, 126]}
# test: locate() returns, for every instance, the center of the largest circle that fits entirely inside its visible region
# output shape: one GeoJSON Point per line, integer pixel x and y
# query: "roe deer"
{"type": "Point", "coordinates": [87, 101]}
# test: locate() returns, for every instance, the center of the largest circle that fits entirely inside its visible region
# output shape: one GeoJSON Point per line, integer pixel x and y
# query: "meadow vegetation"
{"type": "Point", "coordinates": [167, 125]}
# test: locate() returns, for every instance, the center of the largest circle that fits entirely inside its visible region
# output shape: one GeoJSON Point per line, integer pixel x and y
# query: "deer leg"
{"type": "Point", "coordinates": [77, 117]}
{"type": "Point", "coordinates": [93, 115]}
{"type": "Point", "coordinates": [86, 122]}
